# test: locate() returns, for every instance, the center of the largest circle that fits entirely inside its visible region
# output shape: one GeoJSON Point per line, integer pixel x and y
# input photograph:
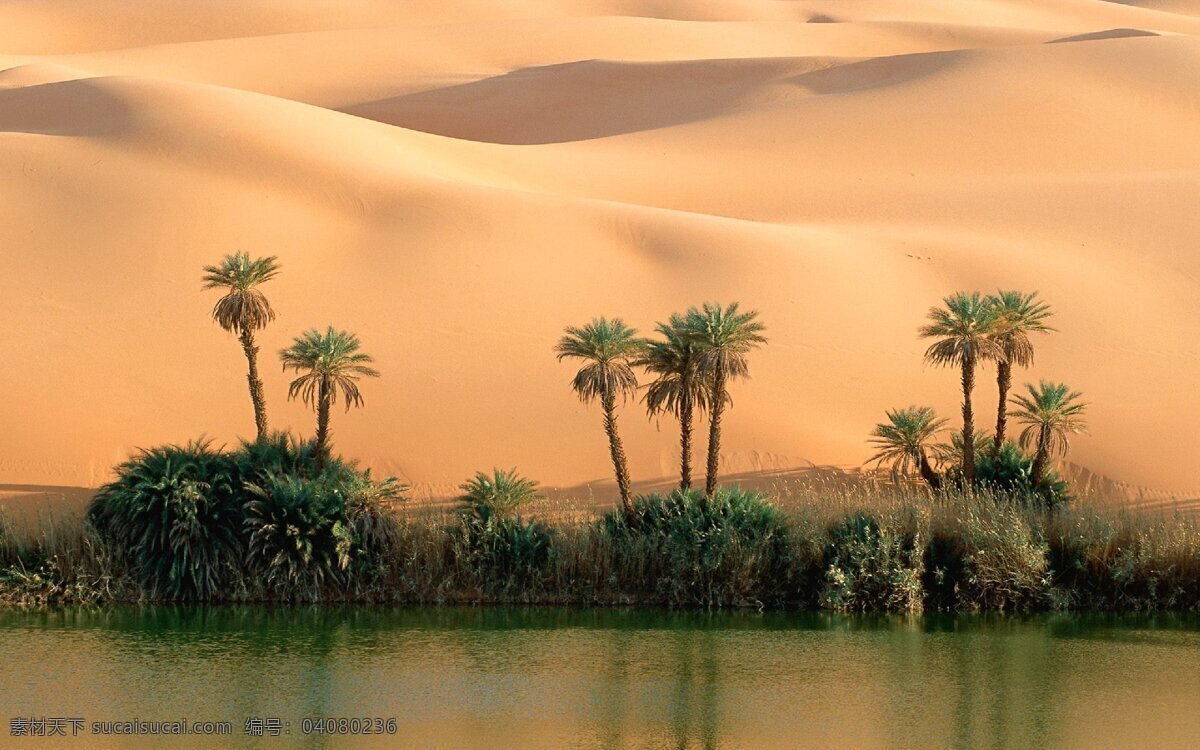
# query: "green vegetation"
{"type": "Point", "coordinates": [607, 348]}
{"type": "Point", "coordinates": [722, 336]}
{"type": "Point", "coordinates": [685, 550]}
{"type": "Point", "coordinates": [327, 363]}
{"type": "Point", "coordinates": [679, 388]}
{"type": "Point", "coordinates": [262, 522]}
{"type": "Point", "coordinates": [904, 441]}
{"type": "Point", "coordinates": [344, 537]}
{"type": "Point", "coordinates": [989, 525]}
{"type": "Point", "coordinates": [964, 331]}
{"type": "Point", "coordinates": [1051, 412]}
{"type": "Point", "coordinates": [1019, 315]}
{"type": "Point", "coordinates": [243, 310]}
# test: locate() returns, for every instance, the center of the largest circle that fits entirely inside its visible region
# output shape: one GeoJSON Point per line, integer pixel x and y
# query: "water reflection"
{"type": "Point", "coordinates": [617, 679]}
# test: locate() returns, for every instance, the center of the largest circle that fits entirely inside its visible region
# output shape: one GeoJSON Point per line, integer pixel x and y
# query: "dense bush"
{"type": "Point", "coordinates": [1102, 562]}
{"type": "Point", "coordinates": [200, 524]}
{"type": "Point", "coordinates": [504, 554]}
{"type": "Point", "coordinates": [1011, 473]}
{"type": "Point", "coordinates": [1002, 558]}
{"type": "Point", "coordinates": [501, 552]}
{"type": "Point", "coordinates": [874, 566]}
{"type": "Point", "coordinates": [176, 512]}
{"type": "Point", "coordinates": [295, 528]}
{"type": "Point", "coordinates": [686, 549]}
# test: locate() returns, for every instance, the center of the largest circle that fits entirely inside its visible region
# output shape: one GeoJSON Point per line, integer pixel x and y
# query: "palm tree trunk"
{"type": "Point", "coordinates": [322, 426]}
{"type": "Point", "coordinates": [714, 433]}
{"type": "Point", "coordinates": [1003, 383]}
{"type": "Point", "coordinates": [620, 465]}
{"type": "Point", "coordinates": [928, 474]}
{"type": "Point", "coordinates": [968, 385]}
{"type": "Point", "coordinates": [685, 438]}
{"type": "Point", "coordinates": [256, 387]}
{"type": "Point", "coordinates": [1041, 458]}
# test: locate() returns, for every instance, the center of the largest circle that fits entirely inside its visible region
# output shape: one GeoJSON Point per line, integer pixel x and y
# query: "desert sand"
{"type": "Point", "coordinates": [458, 180]}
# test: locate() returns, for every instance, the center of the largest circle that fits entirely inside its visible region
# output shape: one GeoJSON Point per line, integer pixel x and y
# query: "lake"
{"type": "Point", "coordinates": [550, 678]}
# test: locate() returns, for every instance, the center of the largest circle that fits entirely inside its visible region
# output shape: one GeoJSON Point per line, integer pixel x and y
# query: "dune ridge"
{"type": "Point", "coordinates": [457, 181]}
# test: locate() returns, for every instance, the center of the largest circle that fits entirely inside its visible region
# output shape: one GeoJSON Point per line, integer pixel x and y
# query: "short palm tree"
{"type": "Point", "coordinates": [722, 336]}
{"type": "Point", "coordinates": [500, 494]}
{"type": "Point", "coordinates": [327, 362]}
{"type": "Point", "coordinates": [679, 389]}
{"type": "Point", "coordinates": [243, 310]}
{"type": "Point", "coordinates": [963, 329]}
{"type": "Point", "coordinates": [1051, 412]}
{"type": "Point", "coordinates": [1020, 315]}
{"type": "Point", "coordinates": [904, 441]}
{"type": "Point", "coordinates": [607, 347]}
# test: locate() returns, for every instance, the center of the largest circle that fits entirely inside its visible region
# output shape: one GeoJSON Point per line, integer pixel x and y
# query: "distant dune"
{"type": "Point", "coordinates": [456, 181]}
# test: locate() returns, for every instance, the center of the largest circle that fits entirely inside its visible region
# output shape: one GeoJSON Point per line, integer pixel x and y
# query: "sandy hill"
{"type": "Point", "coordinates": [456, 181]}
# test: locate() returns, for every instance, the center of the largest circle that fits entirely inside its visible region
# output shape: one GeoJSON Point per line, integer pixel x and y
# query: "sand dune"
{"type": "Point", "coordinates": [457, 181]}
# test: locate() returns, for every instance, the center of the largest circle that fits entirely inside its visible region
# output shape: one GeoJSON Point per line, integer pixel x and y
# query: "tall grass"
{"type": "Point", "coordinates": [338, 536]}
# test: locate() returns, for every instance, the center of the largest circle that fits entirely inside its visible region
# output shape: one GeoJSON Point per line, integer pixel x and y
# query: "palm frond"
{"type": "Point", "coordinates": [1019, 314]}
{"type": "Point", "coordinates": [963, 329]}
{"type": "Point", "coordinates": [1049, 409]}
{"type": "Point", "coordinates": [607, 348]}
{"type": "Point", "coordinates": [331, 360]}
{"type": "Point", "coordinates": [244, 307]}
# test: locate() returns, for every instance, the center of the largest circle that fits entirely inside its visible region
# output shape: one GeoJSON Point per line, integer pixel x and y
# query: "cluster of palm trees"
{"type": "Point", "coordinates": [968, 331]}
{"type": "Point", "coordinates": [692, 361]}
{"type": "Point", "coordinates": [326, 362]}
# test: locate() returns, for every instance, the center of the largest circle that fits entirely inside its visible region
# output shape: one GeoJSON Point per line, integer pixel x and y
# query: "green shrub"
{"type": "Point", "coordinates": [371, 533]}
{"type": "Point", "coordinates": [873, 566]}
{"type": "Point", "coordinates": [1102, 562]}
{"type": "Point", "coordinates": [176, 513]}
{"type": "Point", "coordinates": [277, 455]}
{"type": "Point", "coordinates": [1005, 561]}
{"type": "Point", "coordinates": [1011, 473]}
{"type": "Point", "coordinates": [504, 554]}
{"type": "Point", "coordinates": [686, 549]}
{"type": "Point", "coordinates": [298, 538]}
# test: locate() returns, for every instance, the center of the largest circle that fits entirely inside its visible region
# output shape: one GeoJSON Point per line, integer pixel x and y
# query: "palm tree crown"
{"type": "Point", "coordinates": [674, 360]}
{"type": "Point", "coordinates": [905, 437]}
{"type": "Point", "coordinates": [724, 336]}
{"type": "Point", "coordinates": [1019, 315]}
{"type": "Point", "coordinates": [1051, 412]}
{"type": "Point", "coordinates": [607, 347]}
{"type": "Point", "coordinates": [964, 329]}
{"type": "Point", "coordinates": [327, 362]}
{"type": "Point", "coordinates": [244, 307]}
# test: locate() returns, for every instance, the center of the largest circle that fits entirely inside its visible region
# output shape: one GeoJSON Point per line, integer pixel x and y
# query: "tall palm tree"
{"type": "Point", "coordinates": [607, 347]}
{"type": "Point", "coordinates": [904, 440]}
{"type": "Point", "coordinates": [1020, 315]}
{"type": "Point", "coordinates": [243, 310]}
{"type": "Point", "coordinates": [723, 337]}
{"type": "Point", "coordinates": [963, 329]}
{"type": "Point", "coordinates": [1051, 412]}
{"type": "Point", "coordinates": [679, 389]}
{"type": "Point", "coordinates": [327, 363]}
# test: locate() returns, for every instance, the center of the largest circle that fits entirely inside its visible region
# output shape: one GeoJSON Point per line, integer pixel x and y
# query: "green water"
{"type": "Point", "coordinates": [481, 678]}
